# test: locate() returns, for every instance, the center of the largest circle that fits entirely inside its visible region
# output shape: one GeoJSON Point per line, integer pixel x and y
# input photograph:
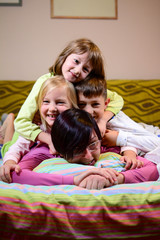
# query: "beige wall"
{"type": "Point", "coordinates": [30, 40]}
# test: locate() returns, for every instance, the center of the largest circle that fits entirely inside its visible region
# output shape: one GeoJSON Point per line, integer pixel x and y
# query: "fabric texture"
{"type": "Point", "coordinates": [134, 135]}
{"type": "Point", "coordinates": [70, 212]}
{"type": "Point", "coordinates": [148, 172]}
{"type": "Point", "coordinates": [126, 211]}
{"type": "Point", "coordinates": [141, 99]}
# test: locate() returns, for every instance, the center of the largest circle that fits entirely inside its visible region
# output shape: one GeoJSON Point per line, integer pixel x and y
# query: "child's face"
{"type": "Point", "coordinates": [54, 102]}
{"type": "Point", "coordinates": [90, 155]}
{"type": "Point", "coordinates": [76, 67]}
{"type": "Point", "coordinates": [94, 105]}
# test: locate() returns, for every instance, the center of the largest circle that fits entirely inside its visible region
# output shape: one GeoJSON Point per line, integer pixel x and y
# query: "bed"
{"type": "Point", "coordinates": [127, 211]}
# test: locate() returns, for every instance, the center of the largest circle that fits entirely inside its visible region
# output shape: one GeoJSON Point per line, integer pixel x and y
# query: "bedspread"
{"type": "Point", "coordinates": [70, 212]}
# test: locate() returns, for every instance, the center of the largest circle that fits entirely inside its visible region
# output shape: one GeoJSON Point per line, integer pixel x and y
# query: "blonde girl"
{"type": "Point", "coordinates": [55, 96]}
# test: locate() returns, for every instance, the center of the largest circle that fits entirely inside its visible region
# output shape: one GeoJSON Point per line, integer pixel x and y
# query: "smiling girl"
{"type": "Point", "coordinates": [55, 96]}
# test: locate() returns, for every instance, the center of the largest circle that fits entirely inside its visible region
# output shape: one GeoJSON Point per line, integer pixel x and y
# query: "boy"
{"type": "Point", "coordinates": [92, 97]}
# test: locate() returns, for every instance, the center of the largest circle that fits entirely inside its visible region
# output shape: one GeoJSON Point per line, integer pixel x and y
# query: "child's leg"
{"type": "Point", "coordinates": [7, 129]}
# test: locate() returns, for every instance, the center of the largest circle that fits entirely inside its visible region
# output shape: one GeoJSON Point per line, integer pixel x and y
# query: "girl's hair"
{"type": "Point", "coordinates": [92, 88]}
{"type": "Point", "coordinates": [81, 46]}
{"type": "Point", "coordinates": [72, 130]}
{"type": "Point", "coordinates": [57, 82]}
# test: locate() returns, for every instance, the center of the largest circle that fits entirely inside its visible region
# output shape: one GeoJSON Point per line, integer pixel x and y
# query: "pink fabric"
{"type": "Point", "coordinates": [36, 155]}
{"type": "Point", "coordinates": [148, 172]}
{"type": "Point", "coordinates": [110, 149]}
{"type": "Point", "coordinates": [31, 160]}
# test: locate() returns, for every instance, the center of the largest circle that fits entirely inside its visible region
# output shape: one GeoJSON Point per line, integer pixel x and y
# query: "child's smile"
{"type": "Point", "coordinates": [54, 102]}
{"type": "Point", "coordinates": [94, 105]}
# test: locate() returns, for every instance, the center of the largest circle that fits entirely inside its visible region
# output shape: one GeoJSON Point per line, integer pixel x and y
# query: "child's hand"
{"type": "Point", "coordinates": [52, 150]}
{"type": "Point", "coordinates": [110, 138]}
{"type": "Point", "coordinates": [5, 170]}
{"type": "Point", "coordinates": [131, 162]}
{"type": "Point", "coordinates": [37, 118]}
{"type": "Point", "coordinates": [46, 138]}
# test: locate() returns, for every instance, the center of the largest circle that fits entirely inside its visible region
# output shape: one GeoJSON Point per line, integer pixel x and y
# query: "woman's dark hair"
{"type": "Point", "coordinates": [72, 131]}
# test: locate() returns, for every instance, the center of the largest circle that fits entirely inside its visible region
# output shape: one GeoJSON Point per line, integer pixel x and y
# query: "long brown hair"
{"type": "Point", "coordinates": [81, 46]}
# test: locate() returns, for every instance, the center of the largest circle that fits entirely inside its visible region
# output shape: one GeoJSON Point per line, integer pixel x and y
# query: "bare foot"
{"type": "Point", "coordinates": [8, 123]}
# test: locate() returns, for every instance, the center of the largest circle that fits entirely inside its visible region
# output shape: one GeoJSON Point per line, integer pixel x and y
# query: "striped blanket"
{"type": "Point", "coordinates": [69, 212]}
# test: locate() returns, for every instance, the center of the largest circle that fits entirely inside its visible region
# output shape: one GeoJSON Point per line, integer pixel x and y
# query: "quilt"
{"type": "Point", "coordinates": [70, 212]}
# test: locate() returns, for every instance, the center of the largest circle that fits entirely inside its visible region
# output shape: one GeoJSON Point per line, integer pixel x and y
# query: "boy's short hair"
{"type": "Point", "coordinates": [92, 88]}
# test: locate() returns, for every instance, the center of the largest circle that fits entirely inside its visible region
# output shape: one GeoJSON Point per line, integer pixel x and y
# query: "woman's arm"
{"type": "Point", "coordinates": [12, 158]}
{"type": "Point", "coordinates": [23, 122]}
{"type": "Point", "coordinates": [148, 172]}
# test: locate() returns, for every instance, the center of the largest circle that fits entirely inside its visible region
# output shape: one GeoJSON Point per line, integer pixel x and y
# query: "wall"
{"type": "Point", "coordinates": [30, 40]}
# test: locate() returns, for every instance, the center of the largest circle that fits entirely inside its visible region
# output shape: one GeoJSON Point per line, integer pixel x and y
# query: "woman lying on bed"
{"type": "Point", "coordinates": [77, 138]}
{"type": "Point", "coordinates": [55, 96]}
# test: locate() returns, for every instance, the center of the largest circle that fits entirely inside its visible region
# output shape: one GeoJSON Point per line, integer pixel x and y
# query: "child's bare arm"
{"type": "Point", "coordinates": [103, 121]}
{"type": "Point", "coordinates": [46, 138]}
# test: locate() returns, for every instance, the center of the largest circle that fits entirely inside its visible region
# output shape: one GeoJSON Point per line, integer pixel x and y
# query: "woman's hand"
{"type": "Point", "coordinates": [108, 177]}
{"type": "Point", "coordinates": [95, 182]}
{"type": "Point", "coordinates": [6, 169]}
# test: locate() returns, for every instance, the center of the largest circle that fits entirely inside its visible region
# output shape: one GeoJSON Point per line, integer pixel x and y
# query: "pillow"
{"type": "Point", "coordinates": [63, 167]}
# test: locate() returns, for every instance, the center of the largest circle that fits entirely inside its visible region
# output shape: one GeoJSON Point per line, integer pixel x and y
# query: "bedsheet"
{"type": "Point", "coordinates": [70, 212]}
{"type": "Point", "coordinates": [118, 212]}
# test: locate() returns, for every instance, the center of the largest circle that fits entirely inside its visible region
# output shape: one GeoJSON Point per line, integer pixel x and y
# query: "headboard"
{"type": "Point", "coordinates": [141, 97]}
